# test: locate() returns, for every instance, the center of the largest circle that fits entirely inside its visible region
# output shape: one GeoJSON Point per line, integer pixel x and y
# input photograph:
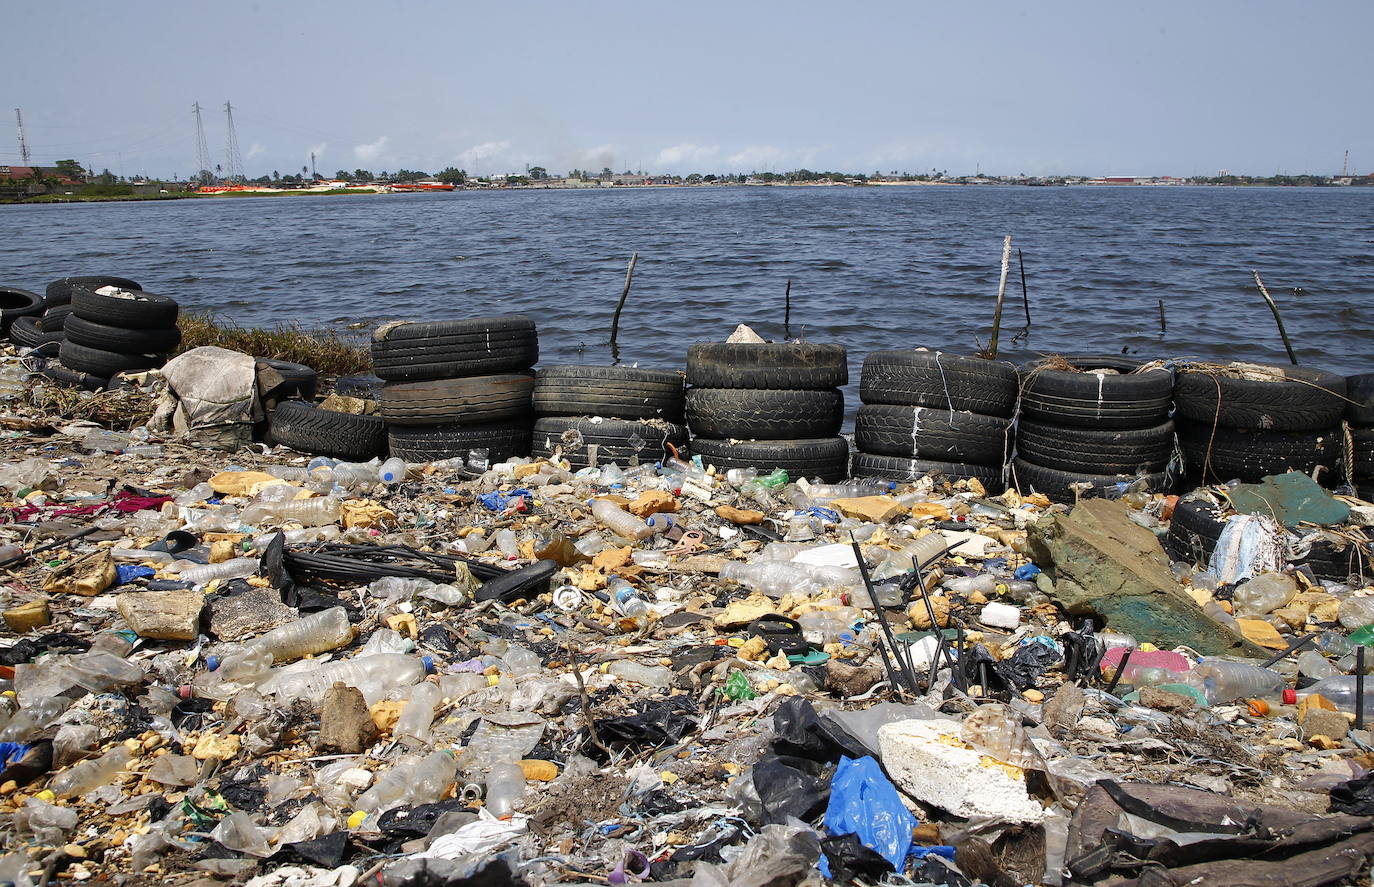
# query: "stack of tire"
{"type": "Point", "coordinates": [113, 330]}
{"type": "Point", "coordinates": [928, 413]}
{"type": "Point", "coordinates": [453, 386]}
{"type": "Point", "coordinates": [1246, 422]}
{"type": "Point", "coordinates": [307, 428]}
{"type": "Point", "coordinates": [1094, 429]}
{"type": "Point", "coordinates": [767, 406]}
{"type": "Point", "coordinates": [45, 332]}
{"type": "Point", "coordinates": [1359, 413]}
{"type": "Point", "coordinates": [604, 415]}
{"type": "Point", "coordinates": [19, 315]}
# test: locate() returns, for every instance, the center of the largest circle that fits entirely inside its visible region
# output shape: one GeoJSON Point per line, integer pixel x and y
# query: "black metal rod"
{"type": "Point", "coordinates": [1359, 687]}
{"type": "Point", "coordinates": [940, 643]}
{"type": "Point", "coordinates": [1292, 648]}
{"type": "Point", "coordinates": [787, 311]}
{"type": "Point", "coordinates": [1025, 298]}
{"type": "Point", "coordinates": [909, 678]}
{"type": "Point", "coordinates": [1120, 670]}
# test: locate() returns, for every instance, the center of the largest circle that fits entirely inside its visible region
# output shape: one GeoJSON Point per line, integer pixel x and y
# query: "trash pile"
{"type": "Point", "coordinates": [234, 661]}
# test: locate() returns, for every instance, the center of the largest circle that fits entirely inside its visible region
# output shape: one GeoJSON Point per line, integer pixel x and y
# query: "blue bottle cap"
{"type": "Point", "coordinates": [429, 664]}
{"type": "Point", "coordinates": [212, 662]}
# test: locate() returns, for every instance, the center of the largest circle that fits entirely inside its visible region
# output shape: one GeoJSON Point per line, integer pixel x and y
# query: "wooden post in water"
{"type": "Point", "coordinates": [787, 311]}
{"type": "Point", "coordinates": [1163, 327]}
{"type": "Point", "coordinates": [1278, 319]}
{"type": "Point", "coordinates": [615, 321]}
{"type": "Point", "coordinates": [1001, 295]}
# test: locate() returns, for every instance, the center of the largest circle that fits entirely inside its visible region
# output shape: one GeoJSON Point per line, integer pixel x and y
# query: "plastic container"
{"type": "Point", "coordinates": [414, 781]}
{"type": "Point", "coordinates": [661, 522]}
{"type": "Point", "coordinates": [1341, 691]}
{"type": "Point", "coordinates": [412, 727]}
{"type": "Point", "coordinates": [1356, 612]}
{"type": "Point", "coordinates": [316, 633]}
{"type": "Point", "coordinates": [505, 789]}
{"type": "Point", "coordinates": [374, 675]}
{"type": "Point", "coordinates": [306, 512]}
{"type": "Point", "coordinates": [1314, 665]}
{"type": "Point", "coordinates": [1222, 680]}
{"type": "Point", "coordinates": [777, 578]}
{"type": "Point", "coordinates": [92, 774]}
{"type": "Point", "coordinates": [844, 491]}
{"type": "Point", "coordinates": [626, 600]}
{"type": "Point", "coordinates": [621, 522]}
{"type": "Point", "coordinates": [237, 568]}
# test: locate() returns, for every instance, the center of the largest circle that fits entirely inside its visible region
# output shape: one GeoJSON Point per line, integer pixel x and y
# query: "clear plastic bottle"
{"type": "Point", "coordinates": [620, 521]}
{"type": "Point", "coordinates": [306, 512]}
{"type": "Point", "coordinates": [1314, 665]}
{"type": "Point", "coordinates": [661, 522]}
{"type": "Point", "coordinates": [648, 675]}
{"type": "Point", "coordinates": [30, 720]}
{"type": "Point", "coordinates": [1341, 691]}
{"type": "Point", "coordinates": [1264, 594]}
{"type": "Point", "coordinates": [237, 568]}
{"type": "Point", "coordinates": [1356, 612]}
{"type": "Point", "coordinates": [1214, 611]}
{"type": "Point", "coordinates": [234, 669]}
{"type": "Point", "coordinates": [845, 491]}
{"type": "Point", "coordinates": [414, 781]}
{"type": "Point", "coordinates": [196, 495]}
{"type": "Point", "coordinates": [626, 600]}
{"type": "Point", "coordinates": [81, 778]}
{"type": "Point", "coordinates": [505, 789]}
{"type": "Point", "coordinates": [777, 578]}
{"type": "Point", "coordinates": [374, 675]}
{"type": "Point", "coordinates": [392, 471]}
{"type": "Point", "coordinates": [1222, 680]}
{"type": "Point", "coordinates": [412, 727]}
{"type": "Point", "coordinates": [507, 544]}
{"type": "Point", "coordinates": [316, 633]}
{"type": "Point", "coordinates": [356, 475]}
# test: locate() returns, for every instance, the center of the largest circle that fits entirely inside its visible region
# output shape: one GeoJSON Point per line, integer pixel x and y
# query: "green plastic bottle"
{"type": "Point", "coordinates": [775, 480]}
{"type": "Point", "coordinates": [1363, 637]}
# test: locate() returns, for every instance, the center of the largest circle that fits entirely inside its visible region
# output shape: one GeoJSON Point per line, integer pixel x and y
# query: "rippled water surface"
{"type": "Point", "coordinates": [871, 268]}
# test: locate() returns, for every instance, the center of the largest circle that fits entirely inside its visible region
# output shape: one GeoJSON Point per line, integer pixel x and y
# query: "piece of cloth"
{"type": "Point", "coordinates": [211, 399]}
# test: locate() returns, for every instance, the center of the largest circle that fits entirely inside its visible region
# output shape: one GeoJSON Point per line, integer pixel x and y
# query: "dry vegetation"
{"type": "Point", "coordinates": [323, 351]}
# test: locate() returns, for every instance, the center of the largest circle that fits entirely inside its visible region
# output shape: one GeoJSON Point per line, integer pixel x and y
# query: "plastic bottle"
{"type": "Point", "coordinates": [626, 600]}
{"type": "Point", "coordinates": [416, 717]}
{"type": "Point", "coordinates": [1214, 611]}
{"type": "Point", "coordinates": [1222, 680]}
{"type": "Point", "coordinates": [661, 522]}
{"type": "Point", "coordinates": [307, 512]}
{"type": "Point", "coordinates": [393, 471]}
{"type": "Point", "coordinates": [1264, 594]}
{"type": "Point", "coordinates": [1356, 612]}
{"type": "Point", "coordinates": [237, 568]}
{"type": "Point", "coordinates": [30, 720]}
{"type": "Point", "coordinates": [621, 522]}
{"type": "Point", "coordinates": [102, 441]}
{"type": "Point", "coordinates": [374, 675]}
{"type": "Point", "coordinates": [355, 475]}
{"type": "Point", "coordinates": [505, 789]}
{"type": "Point", "coordinates": [416, 781]}
{"type": "Point", "coordinates": [311, 634]}
{"type": "Point", "coordinates": [741, 476]}
{"type": "Point", "coordinates": [91, 774]}
{"type": "Point", "coordinates": [774, 481]}
{"type": "Point", "coordinates": [559, 548]}
{"type": "Point", "coordinates": [845, 491]}
{"type": "Point", "coordinates": [196, 495]}
{"type": "Point", "coordinates": [232, 670]}
{"type": "Point", "coordinates": [1341, 691]}
{"type": "Point", "coordinates": [777, 578]}
{"type": "Point", "coordinates": [287, 472]}
{"type": "Point", "coordinates": [1314, 665]}
{"type": "Point", "coordinates": [506, 543]}
{"type": "Point", "coordinates": [648, 675]}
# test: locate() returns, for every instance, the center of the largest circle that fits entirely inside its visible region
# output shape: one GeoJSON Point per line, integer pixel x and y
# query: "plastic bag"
{"type": "Point", "coordinates": [786, 789]}
{"type": "Point", "coordinates": [863, 802]}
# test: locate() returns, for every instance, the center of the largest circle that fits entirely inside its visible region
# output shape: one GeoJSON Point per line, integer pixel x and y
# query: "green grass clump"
{"type": "Point", "coordinates": [323, 351]}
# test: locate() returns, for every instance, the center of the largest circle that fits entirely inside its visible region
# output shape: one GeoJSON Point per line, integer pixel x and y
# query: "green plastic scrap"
{"type": "Point", "coordinates": [208, 812]}
{"type": "Point", "coordinates": [737, 687]}
{"type": "Point", "coordinates": [1290, 499]}
{"type": "Point", "coordinates": [775, 480]}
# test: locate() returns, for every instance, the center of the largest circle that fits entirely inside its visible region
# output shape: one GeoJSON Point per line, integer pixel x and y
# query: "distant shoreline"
{"type": "Point", "coordinates": [48, 199]}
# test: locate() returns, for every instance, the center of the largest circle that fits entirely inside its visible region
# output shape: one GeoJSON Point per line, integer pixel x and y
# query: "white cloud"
{"type": "Point", "coordinates": [254, 150]}
{"type": "Point", "coordinates": [477, 154]}
{"type": "Point", "coordinates": [756, 157]}
{"type": "Point", "coordinates": [317, 150]}
{"type": "Point", "coordinates": [372, 152]}
{"type": "Point", "coordinates": [685, 154]}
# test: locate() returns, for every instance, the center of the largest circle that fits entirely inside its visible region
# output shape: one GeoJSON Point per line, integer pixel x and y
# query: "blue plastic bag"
{"type": "Point", "coordinates": [863, 802]}
{"type": "Point", "coordinates": [1026, 571]}
{"type": "Point", "coordinates": [499, 501]}
{"type": "Point", "coordinates": [126, 573]}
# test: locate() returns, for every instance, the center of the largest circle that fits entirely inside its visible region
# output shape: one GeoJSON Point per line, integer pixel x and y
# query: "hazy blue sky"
{"type": "Point", "coordinates": [1051, 87]}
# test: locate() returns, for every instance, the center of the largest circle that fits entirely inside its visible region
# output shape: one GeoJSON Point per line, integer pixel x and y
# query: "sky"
{"type": "Point", "coordinates": [1096, 88]}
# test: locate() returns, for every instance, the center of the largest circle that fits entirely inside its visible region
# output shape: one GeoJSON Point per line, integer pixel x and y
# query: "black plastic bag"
{"type": "Point", "coordinates": [1355, 796]}
{"type": "Point", "coordinates": [656, 723]}
{"type": "Point", "coordinates": [800, 732]}
{"type": "Point", "coordinates": [1027, 665]}
{"type": "Point", "coordinates": [327, 850]}
{"type": "Point", "coordinates": [850, 859]}
{"type": "Point", "coordinates": [786, 788]}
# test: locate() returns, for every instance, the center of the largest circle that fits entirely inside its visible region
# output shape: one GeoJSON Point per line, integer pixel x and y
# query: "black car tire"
{"type": "Point", "coordinates": [765, 365]}
{"type": "Point", "coordinates": [16, 303]}
{"type": "Point", "coordinates": [430, 443]}
{"type": "Point", "coordinates": [309, 429]}
{"type": "Point", "coordinates": [24, 331]}
{"type": "Point", "coordinates": [122, 339]}
{"type": "Point", "coordinates": [940, 381]}
{"type": "Point", "coordinates": [1059, 485]}
{"type": "Point", "coordinates": [614, 392]}
{"type": "Point", "coordinates": [1311, 400]}
{"type": "Point", "coordinates": [926, 433]}
{"type": "Point", "coordinates": [764, 414]}
{"type": "Point", "coordinates": [1094, 451]}
{"type": "Point", "coordinates": [445, 349]}
{"type": "Point", "coordinates": [826, 457]}
{"type": "Point", "coordinates": [894, 468]}
{"type": "Point", "coordinates": [611, 437]}
{"type": "Point", "coordinates": [469, 400]}
{"type": "Point", "coordinates": [102, 363]}
{"type": "Point", "coordinates": [1096, 400]}
{"type": "Point", "coordinates": [1224, 454]}
{"type": "Point", "coordinates": [131, 309]}
{"type": "Point", "coordinates": [59, 292]}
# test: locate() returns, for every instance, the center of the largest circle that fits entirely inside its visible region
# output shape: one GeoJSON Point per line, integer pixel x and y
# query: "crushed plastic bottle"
{"type": "Point", "coordinates": [620, 521]}
{"type": "Point", "coordinates": [1223, 680]}
{"type": "Point", "coordinates": [306, 512]}
{"type": "Point", "coordinates": [412, 727]}
{"type": "Point", "coordinates": [374, 676]}
{"type": "Point", "coordinates": [81, 778]}
{"type": "Point", "coordinates": [412, 782]}
{"type": "Point", "coordinates": [1264, 594]}
{"type": "Point", "coordinates": [237, 568]}
{"type": "Point", "coordinates": [316, 633]}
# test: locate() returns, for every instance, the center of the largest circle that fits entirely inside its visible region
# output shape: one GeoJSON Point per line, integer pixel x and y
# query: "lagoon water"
{"type": "Point", "coordinates": [872, 268]}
